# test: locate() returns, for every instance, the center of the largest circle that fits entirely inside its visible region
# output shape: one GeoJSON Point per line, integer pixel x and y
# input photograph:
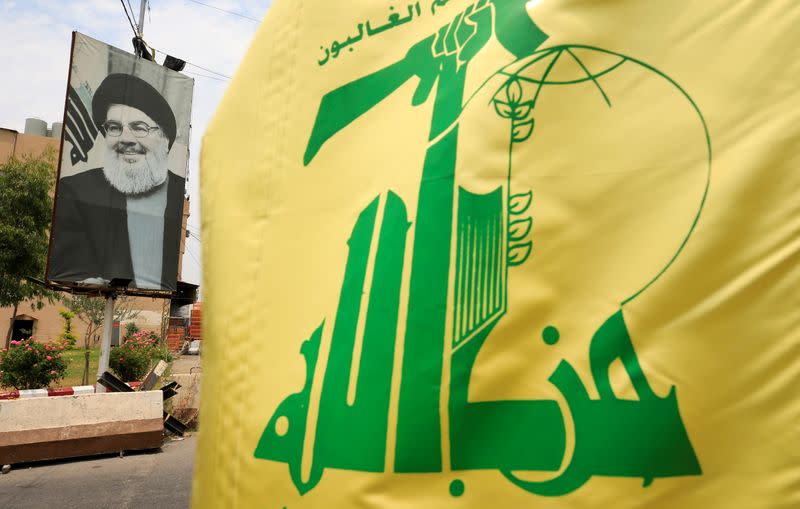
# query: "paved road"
{"type": "Point", "coordinates": [143, 480]}
{"type": "Point", "coordinates": [186, 365]}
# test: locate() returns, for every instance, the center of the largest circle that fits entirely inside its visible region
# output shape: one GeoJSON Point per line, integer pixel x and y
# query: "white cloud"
{"type": "Point", "coordinates": [34, 49]}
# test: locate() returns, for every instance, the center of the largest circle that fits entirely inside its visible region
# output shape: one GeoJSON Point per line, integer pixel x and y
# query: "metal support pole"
{"type": "Point", "coordinates": [105, 345]}
{"type": "Point", "coordinates": [142, 8]}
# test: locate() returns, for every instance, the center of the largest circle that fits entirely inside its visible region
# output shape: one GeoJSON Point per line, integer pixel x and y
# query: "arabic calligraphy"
{"type": "Point", "coordinates": [370, 29]}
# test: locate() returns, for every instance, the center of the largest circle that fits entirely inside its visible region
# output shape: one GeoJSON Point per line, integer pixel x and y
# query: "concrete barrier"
{"type": "Point", "coordinates": [38, 429]}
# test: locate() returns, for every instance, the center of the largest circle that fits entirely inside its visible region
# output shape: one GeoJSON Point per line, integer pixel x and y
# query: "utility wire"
{"type": "Point", "coordinates": [206, 76]}
{"type": "Point", "coordinates": [196, 261]}
{"type": "Point", "coordinates": [199, 67]}
{"type": "Point", "coordinates": [209, 70]}
{"type": "Point", "coordinates": [135, 33]}
{"type": "Point", "coordinates": [132, 11]}
{"type": "Point", "coordinates": [194, 232]}
{"type": "Point", "coordinates": [226, 11]}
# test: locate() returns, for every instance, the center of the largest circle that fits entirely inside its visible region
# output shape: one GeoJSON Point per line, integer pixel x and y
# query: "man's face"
{"type": "Point", "coordinates": [129, 147]}
{"type": "Point", "coordinates": [137, 150]}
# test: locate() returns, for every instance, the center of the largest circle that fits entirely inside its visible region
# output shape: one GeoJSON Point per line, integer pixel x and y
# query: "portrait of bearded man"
{"type": "Point", "coordinates": [122, 220]}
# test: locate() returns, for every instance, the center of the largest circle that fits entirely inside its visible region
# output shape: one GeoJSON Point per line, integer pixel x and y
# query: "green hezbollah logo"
{"type": "Point", "coordinates": [613, 437]}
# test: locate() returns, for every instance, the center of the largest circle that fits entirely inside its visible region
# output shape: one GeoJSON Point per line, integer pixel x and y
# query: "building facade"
{"type": "Point", "coordinates": [46, 323]}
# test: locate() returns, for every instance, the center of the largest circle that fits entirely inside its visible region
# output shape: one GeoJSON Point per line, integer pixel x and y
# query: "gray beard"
{"type": "Point", "coordinates": [136, 178]}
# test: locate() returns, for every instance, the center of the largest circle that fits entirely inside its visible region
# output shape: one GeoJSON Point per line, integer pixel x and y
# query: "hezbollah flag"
{"type": "Point", "coordinates": [498, 253]}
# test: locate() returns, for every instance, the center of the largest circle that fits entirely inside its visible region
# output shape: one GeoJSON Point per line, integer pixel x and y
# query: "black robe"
{"type": "Point", "coordinates": [89, 237]}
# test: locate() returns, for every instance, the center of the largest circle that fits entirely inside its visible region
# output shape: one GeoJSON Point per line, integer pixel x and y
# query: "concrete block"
{"type": "Point", "coordinates": [38, 429]}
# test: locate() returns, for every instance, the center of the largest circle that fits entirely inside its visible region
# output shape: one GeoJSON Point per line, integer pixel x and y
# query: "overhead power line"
{"type": "Point", "coordinates": [196, 261]}
{"type": "Point", "coordinates": [212, 72]}
{"type": "Point", "coordinates": [226, 11]}
{"type": "Point", "coordinates": [199, 67]}
{"type": "Point", "coordinates": [206, 76]}
{"type": "Point", "coordinates": [132, 11]}
{"type": "Point", "coordinates": [218, 76]}
{"type": "Point", "coordinates": [130, 22]}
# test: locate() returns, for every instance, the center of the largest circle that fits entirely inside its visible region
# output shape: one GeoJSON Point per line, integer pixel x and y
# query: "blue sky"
{"type": "Point", "coordinates": [34, 51]}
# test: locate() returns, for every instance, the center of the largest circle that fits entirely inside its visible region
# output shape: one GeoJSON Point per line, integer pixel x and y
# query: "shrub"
{"type": "Point", "coordinates": [130, 329]}
{"type": "Point", "coordinates": [129, 363]}
{"type": "Point", "coordinates": [31, 365]}
{"type": "Point", "coordinates": [162, 353]}
{"type": "Point", "coordinates": [133, 359]}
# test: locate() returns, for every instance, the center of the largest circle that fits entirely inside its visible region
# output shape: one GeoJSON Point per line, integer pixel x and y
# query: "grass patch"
{"type": "Point", "coordinates": [75, 363]}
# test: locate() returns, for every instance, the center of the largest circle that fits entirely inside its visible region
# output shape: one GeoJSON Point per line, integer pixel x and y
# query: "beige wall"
{"type": "Point", "coordinates": [48, 323]}
{"type": "Point", "coordinates": [17, 144]}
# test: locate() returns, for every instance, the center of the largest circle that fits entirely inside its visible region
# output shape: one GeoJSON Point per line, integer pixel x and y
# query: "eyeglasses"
{"type": "Point", "coordinates": [139, 129]}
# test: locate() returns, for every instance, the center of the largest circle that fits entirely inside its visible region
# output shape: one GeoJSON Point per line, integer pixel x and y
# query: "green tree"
{"type": "Point", "coordinates": [67, 337]}
{"type": "Point", "coordinates": [25, 210]}
{"type": "Point", "coordinates": [91, 311]}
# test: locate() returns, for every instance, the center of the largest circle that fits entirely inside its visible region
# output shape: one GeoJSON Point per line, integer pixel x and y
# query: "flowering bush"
{"type": "Point", "coordinates": [31, 365]}
{"type": "Point", "coordinates": [133, 358]}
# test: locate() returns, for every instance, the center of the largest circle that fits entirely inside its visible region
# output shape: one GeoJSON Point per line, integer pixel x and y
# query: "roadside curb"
{"type": "Point", "coordinates": [58, 391]}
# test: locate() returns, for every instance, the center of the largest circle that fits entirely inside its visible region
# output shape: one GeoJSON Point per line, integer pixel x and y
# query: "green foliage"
{"type": "Point", "coordinates": [162, 353]}
{"type": "Point", "coordinates": [130, 329]}
{"type": "Point", "coordinates": [130, 362]}
{"type": "Point", "coordinates": [27, 364]}
{"type": "Point", "coordinates": [133, 359]}
{"type": "Point", "coordinates": [25, 208]}
{"type": "Point", "coordinates": [66, 337]}
{"type": "Point", "coordinates": [91, 311]}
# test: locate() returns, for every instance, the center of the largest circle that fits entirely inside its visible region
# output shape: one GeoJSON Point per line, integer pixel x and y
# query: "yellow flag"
{"type": "Point", "coordinates": [498, 253]}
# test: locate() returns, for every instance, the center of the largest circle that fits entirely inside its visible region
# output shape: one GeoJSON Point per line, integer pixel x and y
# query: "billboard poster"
{"type": "Point", "coordinates": [120, 192]}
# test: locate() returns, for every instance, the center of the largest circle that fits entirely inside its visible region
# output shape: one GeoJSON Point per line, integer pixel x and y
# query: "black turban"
{"type": "Point", "coordinates": [131, 91]}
